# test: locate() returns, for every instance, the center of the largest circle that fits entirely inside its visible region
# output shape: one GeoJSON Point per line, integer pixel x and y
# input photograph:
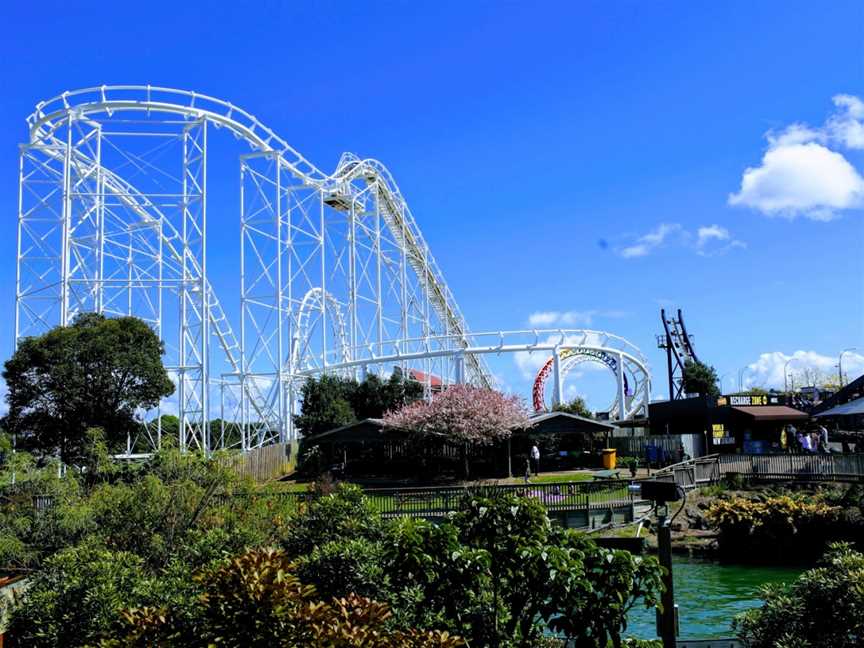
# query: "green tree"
{"type": "Point", "coordinates": [326, 404]}
{"type": "Point", "coordinates": [93, 374]}
{"type": "Point", "coordinates": [330, 401]}
{"type": "Point", "coordinates": [700, 378]}
{"type": "Point", "coordinates": [577, 406]}
{"type": "Point", "coordinates": [824, 608]}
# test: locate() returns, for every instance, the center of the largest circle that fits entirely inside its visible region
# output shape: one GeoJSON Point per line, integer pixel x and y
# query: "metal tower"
{"type": "Point", "coordinates": [679, 350]}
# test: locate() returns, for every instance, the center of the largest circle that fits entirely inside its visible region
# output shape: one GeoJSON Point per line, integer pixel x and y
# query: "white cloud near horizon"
{"type": "Point", "coordinates": [767, 370]}
{"type": "Point", "coordinates": [801, 175]}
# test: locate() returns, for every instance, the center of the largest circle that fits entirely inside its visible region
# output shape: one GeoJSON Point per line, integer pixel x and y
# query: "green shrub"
{"type": "Point", "coordinates": [345, 566]}
{"type": "Point", "coordinates": [76, 597]}
{"type": "Point", "coordinates": [256, 600]}
{"type": "Point", "coordinates": [777, 527]}
{"type": "Point", "coordinates": [346, 513]}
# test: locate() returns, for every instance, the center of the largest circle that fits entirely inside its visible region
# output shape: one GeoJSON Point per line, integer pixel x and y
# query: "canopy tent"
{"type": "Point", "coordinates": [851, 408]}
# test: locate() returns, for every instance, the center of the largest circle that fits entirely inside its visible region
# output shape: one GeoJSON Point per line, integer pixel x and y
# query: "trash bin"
{"type": "Point", "coordinates": [610, 458]}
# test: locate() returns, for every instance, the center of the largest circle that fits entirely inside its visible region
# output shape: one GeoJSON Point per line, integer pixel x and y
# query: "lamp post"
{"type": "Point", "coordinates": [840, 363]}
{"type": "Point", "coordinates": [722, 378]}
{"type": "Point", "coordinates": [786, 376]}
{"type": "Point", "coordinates": [741, 378]}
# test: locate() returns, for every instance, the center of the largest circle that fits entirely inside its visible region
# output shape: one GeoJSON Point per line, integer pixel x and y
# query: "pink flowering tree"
{"type": "Point", "coordinates": [471, 415]}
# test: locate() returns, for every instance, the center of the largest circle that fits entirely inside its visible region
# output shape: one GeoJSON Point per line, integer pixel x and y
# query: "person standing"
{"type": "Point", "coordinates": [823, 433]}
{"type": "Point", "coordinates": [535, 459]}
{"type": "Point", "coordinates": [804, 442]}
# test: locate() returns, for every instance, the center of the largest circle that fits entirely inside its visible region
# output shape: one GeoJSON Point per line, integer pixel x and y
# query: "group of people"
{"type": "Point", "coordinates": [811, 439]}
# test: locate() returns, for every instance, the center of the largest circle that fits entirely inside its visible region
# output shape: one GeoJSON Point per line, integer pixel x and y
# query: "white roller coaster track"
{"type": "Point", "coordinates": [196, 106]}
{"type": "Point", "coordinates": [85, 106]}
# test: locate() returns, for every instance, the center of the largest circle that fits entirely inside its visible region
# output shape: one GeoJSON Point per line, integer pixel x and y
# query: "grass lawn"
{"type": "Point", "coordinates": [558, 478]}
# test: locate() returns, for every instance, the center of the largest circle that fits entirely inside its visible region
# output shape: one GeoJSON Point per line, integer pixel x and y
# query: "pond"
{"type": "Point", "coordinates": [709, 595]}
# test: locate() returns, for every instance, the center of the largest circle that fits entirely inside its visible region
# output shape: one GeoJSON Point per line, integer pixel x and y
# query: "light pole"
{"type": "Point", "coordinates": [840, 363]}
{"type": "Point", "coordinates": [786, 376]}
{"type": "Point", "coordinates": [741, 378]}
{"type": "Point", "coordinates": [722, 378]}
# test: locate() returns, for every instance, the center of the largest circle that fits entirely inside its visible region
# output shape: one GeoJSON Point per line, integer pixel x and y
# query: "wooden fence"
{"type": "Point", "coordinates": [267, 463]}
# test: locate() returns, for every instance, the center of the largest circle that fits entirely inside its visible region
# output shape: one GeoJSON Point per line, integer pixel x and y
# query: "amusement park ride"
{"type": "Point", "coordinates": [333, 276]}
{"type": "Point", "coordinates": [678, 344]}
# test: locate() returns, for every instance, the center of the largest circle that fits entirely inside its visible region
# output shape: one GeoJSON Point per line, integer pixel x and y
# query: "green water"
{"type": "Point", "coordinates": [708, 595]}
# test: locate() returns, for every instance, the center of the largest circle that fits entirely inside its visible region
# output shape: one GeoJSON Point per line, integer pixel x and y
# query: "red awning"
{"type": "Point", "coordinates": [774, 413]}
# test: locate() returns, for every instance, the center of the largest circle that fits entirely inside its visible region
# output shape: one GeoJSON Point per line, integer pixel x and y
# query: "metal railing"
{"type": "Point", "coordinates": [563, 497]}
{"type": "Point", "coordinates": [795, 467]}
{"type": "Point", "coordinates": [776, 467]}
{"type": "Point", "coordinates": [693, 472]}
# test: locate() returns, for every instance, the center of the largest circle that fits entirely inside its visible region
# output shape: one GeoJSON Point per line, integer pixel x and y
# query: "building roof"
{"type": "Point", "coordinates": [367, 429]}
{"type": "Point", "coordinates": [773, 413]}
{"type": "Point", "coordinates": [543, 424]}
{"type": "Point", "coordinates": [846, 409]}
{"type": "Point", "coordinates": [421, 377]}
{"type": "Point", "coordinates": [850, 392]}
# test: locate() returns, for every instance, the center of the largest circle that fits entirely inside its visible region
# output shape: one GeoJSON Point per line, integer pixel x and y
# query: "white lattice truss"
{"type": "Point", "coordinates": [334, 274]}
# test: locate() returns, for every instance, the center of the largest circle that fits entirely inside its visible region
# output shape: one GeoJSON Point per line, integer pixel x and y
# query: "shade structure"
{"type": "Point", "coordinates": [846, 409]}
{"type": "Point", "coordinates": [773, 413]}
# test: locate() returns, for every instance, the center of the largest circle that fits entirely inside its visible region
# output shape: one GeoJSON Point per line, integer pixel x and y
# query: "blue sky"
{"type": "Point", "coordinates": [575, 159]}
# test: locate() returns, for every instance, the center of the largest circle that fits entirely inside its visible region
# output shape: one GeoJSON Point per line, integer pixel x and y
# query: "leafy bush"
{"type": "Point", "coordinates": [500, 572]}
{"type": "Point", "coordinates": [178, 546]}
{"type": "Point", "coordinates": [76, 596]}
{"type": "Point", "coordinates": [345, 565]}
{"type": "Point", "coordinates": [824, 608]}
{"type": "Point", "coordinates": [256, 600]}
{"type": "Point", "coordinates": [778, 527]}
{"type": "Point", "coordinates": [345, 513]}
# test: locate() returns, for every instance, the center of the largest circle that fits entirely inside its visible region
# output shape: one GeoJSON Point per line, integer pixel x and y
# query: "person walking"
{"type": "Point", "coordinates": [535, 459]}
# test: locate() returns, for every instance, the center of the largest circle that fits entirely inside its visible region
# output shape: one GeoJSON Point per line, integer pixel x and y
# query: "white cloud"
{"type": "Point", "coordinates": [543, 319]}
{"type": "Point", "coordinates": [712, 240]}
{"type": "Point", "coordinates": [647, 243]}
{"type": "Point", "coordinates": [709, 240]}
{"type": "Point", "coordinates": [529, 363]}
{"type": "Point", "coordinates": [793, 135]}
{"type": "Point", "coordinates": [804, 366]}
{"type": "Point", "coordinates": [711, 232]}
{"type": "Point", "coordinates": [801, 175]}
{"type": "Point", "coordinates": [801, 179]}
{"type": "Point", "coordinates": [846, 126]}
